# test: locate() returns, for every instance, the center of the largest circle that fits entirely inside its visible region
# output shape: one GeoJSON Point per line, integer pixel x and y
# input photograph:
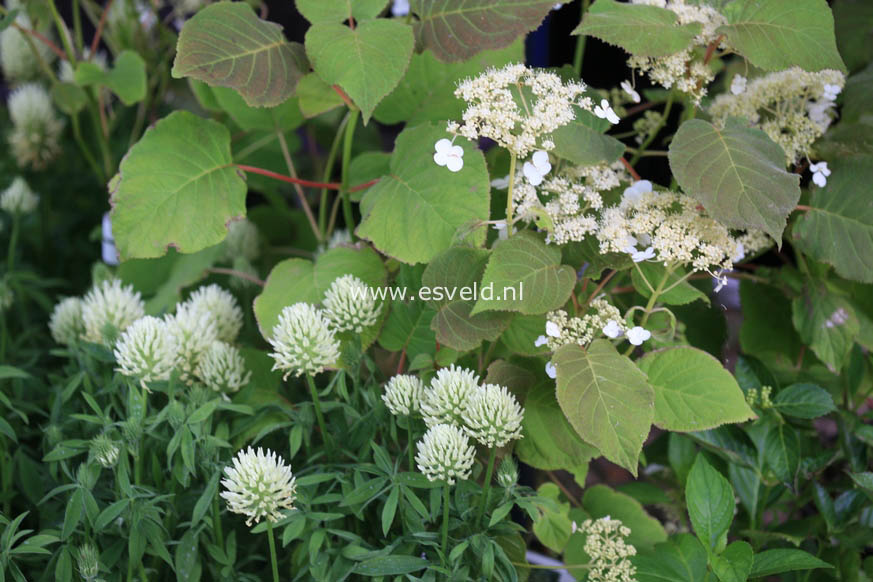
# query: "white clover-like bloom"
{"type": "Point", "coordinates": [258, 485]}
{"type": "Point", "coordinates": [445, 454]}
{"type": "Point", "coordinates": [738, 84]}
{"type": "Point", "coordinates": [448, 396]}
{"type": "Point", "coordinates": [66, 324]}
{"type": "Point", "coordinates": [222, 368]}
{"type": "Point", "coordinates": [16, 57]}
{"type": "Point", "coordinates": [350, 305]}
{"type": "Point", "coordinates": [606, 544]}
{"type": "Point", "coordinates": [303, 341]}
{"type": "Point", "coordinates": [820, 173]}
{"type": "Point", "coordinates": [448, 155]}
{"type": "Point", "coordinates": [193, 329]}
{"type": "Point", "coordinates": [221, 307]}
{"type": "Point", "coordinates": [243, 240]}
{"type": "Point", "coordinates": [632, 93]}
{"type": "Point", "coordinates": [536, 169]}
{"type": "Point", "coordinates": [493, 416]}
{"type": "Point", "coordinates": [105, 451]}
{"type": "Point", "coordinates": [35, 137]}
{"type": "Point", "coordinates": [18, 198]}
{"type": "Point", "coordinates": [403, 394]}
{"type": "Point", "coordinates": [612, 329]}
{"type": "Point", "coordinates": [637, 335]}
{"type": "Point", "coordinates": [146, 351]}
{"type": "Point", "coordinates": [604, 111]}
{"type": "Point", "coordinates": [551, 370]}
{"type": "Point", "coordinates": [108, 309]}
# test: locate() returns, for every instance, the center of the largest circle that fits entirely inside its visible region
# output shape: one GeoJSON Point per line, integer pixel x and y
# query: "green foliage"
{"type": "Point", "coordinates": [126, 78]}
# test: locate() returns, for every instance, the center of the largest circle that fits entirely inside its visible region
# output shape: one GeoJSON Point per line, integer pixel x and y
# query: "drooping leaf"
{"type": "Point", "coordinates": [582, 141]}
{"type": "Point", "coordinates": [455, 30]}
{"type": "Point", "coordinates": [735, 563]}
{"type": "Point", "coordinates": [338, 11]}
{"type": "Point", "coordinates": [827, 323]}
{"type": "Point", "coordinates": [367, 61]}
{"type": "Point", "coordinates": [606, 398]}
{"type": "Point", "coordinates": [804, 401]}
{"type": "Point", "coordinates": [738, 173]}
{"type": "Point", "coordinates": [642, 30]}
{"type": "Point", "coordinates": [181, 168]}
{"type": "Point", "coordinates": [227, 45]}
{"type": "Point", "coordinates": [646, 531]}
{"type": "Point", "coordinates": [771, 562]}
{"type": "Point", "coordinates": [390, 565]}
{"type": "Point", "coordinates": [839, 227]}
{"type": "Point", "coordinates": [693, 391]}
{"type": "Point", "coordinates": [779, 34]}
{"type": "Point", "coordinates": [413, 213]}
{"type": "Point", "coordinates": [710, 502]}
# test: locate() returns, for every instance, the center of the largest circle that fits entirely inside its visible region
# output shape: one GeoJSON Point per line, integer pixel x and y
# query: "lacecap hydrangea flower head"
{"type": "Point", "coordinates": [222, 368]}
{"type": "Point", "coordinates": [108, 309]}
{"type": "Point", "coordinates": [493, 416]}
{"type": "Point", "coordinates": [403, 394]}
{"type": "Point", "coordinates": [445, 454]}
{"type": "Point", "coordinates": [258, 485]}
{"type": "Point", "coordinates": [146, 351]}
{"type": "Point", "coordinates": [303, 341]}
{"type": "Point", "coordinates": [66, 324]}
{"type": "Point", "coordinates": [609, 551]}
{"type": "Point", "coordinates": [36, 131]}
{"type": "Point", "coordinates": [350, 305]}
{"type": "Point", "coordinates": [222, 309]}
{"type": "Point", "coordinates": [448, 396]}
{"type": "Point", "coordinates": [18, 198]}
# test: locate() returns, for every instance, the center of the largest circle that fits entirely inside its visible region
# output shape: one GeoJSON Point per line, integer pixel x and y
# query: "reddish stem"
{"type": "Point", "coordinates": [310, 183]}
{"type": "Point", "coordinates": [44, 40]}
{"type": "Point", "coordinates": [630, 168]}
{"type": "Point", "coordinates": [803, 207]}
{"type": "Point", "coordinates": [96, 42]}
{"type": "Point", "coordinates": [402, 362]}
{"type": "Point", "coordinates": [346, 99]}
{"type": "Point", "coordinates": [240, 274]}
{"type": "Point", "coordinates": [711, 48]}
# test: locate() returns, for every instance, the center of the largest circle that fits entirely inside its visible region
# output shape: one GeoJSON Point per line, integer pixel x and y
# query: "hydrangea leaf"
{"type": "Point", "coordinates": [779, 34]}
{"type": "Point", "coordinates": [181, 167]}
{"type": "Point", "coordinates": [804, 401]}
{"type": "Point", "coordinates": [525, 274]}
{"type": "Point", "coordinates": [285, 117]}
{"type": "Point", "coordinates": [782, 453]}
{"type": "Point", "coordinates": [455, 30]}
{"type": "Point", "coordinates": [367, 61]}
{"type": "Point", "coordinates": [453, 275]}
{"type": "Point", "coordinates": [858, 95]}
{"type": "Point", "coordinates": [338, 11]}
{"type": "Point", "coordinates": [225, 44]}
{"type": "Point", "coordinates": [827, 323]}
{"type": "Point", "coordinates": [770, 562]}
{"type": "Point", "coordinates": [414, 212]}
{"type": "Point", "coordinates": [693, 391]}
{"type": "Point", "coordinates": [126, 78]}
{"type": "Point", "coordinates": [408, 328]}
{"type": "Point", "coordinates": [735, 563]}
{"type": "Point", "coordinates": [607, 400]}
{"type": "Point", "coordinates": [710, 502]}
{"type": "Point", "coordinates": [601, 501]}
{"type": "Point", "coordinates": [839, 227]}
{"type": "Point", "coordinates": [426, 92]}
{"type": "Point", "coordinates": [682, 559]}
{"type": "Point", "coordinates": [316, 96]}
{"type": "Point", "coordinates": [853, 26]}
{"type": "Point", "coordinates": [642, 30]}
{"type": "Point", "coordinates": [300, 280]}
{"type": "Point", "coordinates": [582, 141]}
{"type": "Point", "coordinates": [737, 173]}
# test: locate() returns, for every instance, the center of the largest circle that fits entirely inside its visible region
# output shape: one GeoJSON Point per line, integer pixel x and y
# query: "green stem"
{"type": "Point", "coordinates": [62, 32]}
{"type": "Point", "coordinates": [301, 197]}
{"type": "Point", "coordinates": [486, 494]}
{"type": "Point", "coordinates": [509, 208]}
{"type": "Point", "coordinates": [86, 151]}
{"type": "Point", "coordinates": [654, 133]}
{"type": "Point", "coordinates": [77, 26]}
{"type": "Point", "coordinates": [318, 415]}
{"type": "Point", "coordinates": [658, 291]}
{"type": "Point", "coordinates": [445, 538]}
{"type": "Point", "coordinates": [409, 445]}
{"type": "Point", "coordinates": [347, 159]}
{"type": "Point", "coordinates": [328, 170]}
{"type": "Point", "coordinates": [273, 560]}
{"type": "Point", "coordinates": [13, 240]}
{"type": "Point", "coordinates": [216, 522]}
{"type": "Point", "coordinates": [580, 43]}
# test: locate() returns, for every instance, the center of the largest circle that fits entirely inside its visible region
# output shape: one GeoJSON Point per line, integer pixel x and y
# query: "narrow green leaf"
{"type": "Point", "coordinates": [389, 510]}
{"type": "Point", "coordinates": [204, 502]}
{"type": "Point", "coordinates": [390, 566]}
{"type": "Point", "coordinates": [73, 513]}
{"type": "Point", "coordinates": [110, 513]}
{"type": "Point", "coordinates": [710, 502]}
{"type": "Point", "coordinates": [771, 562]}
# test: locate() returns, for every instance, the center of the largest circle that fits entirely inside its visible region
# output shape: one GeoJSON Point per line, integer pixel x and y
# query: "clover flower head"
{"type": "Point", "coordinates": [258, 485]}
{"type": "Point", "coordinates": [105, 451]}
{"type": "Point", "coordinates": [222, 368]}
{"type": "Point", "coordinates": [108, 309]}
{"type": "Point", "coordinates": [35, 137]}
{"type": "Point", "coordinates": [243, 240]}
{"type": "Point", "coordinates": [820, 173]}
{"type": "Point", "coordinates": [606, 544]}
{"type": "Point", "coordinates": [604, 111]}
{"type": "Point", "coordinates": [449, 155]}
{"type": "Point", "coordinates": [493, 416]}
{"type": "Point", "coordinates": [66, 323]}
{"type": "Point", "coordinates": [536, 169]}
{"type": "Point", "coordinates": [637, 335]}
{"type": "Point", "coordinates": [448, 396]}
{"type": "Point", "coordinates": [146, 351]}
{"type": "Point", "coordinates": [88, 562]}
{"type": "Point", "coordinates": [350, 305]}
{"type": "Point", "coordinates": [403, 394]}
{"type": "Point", "coordinates": [221, 307]}
{"type": "Point", "coordinates": [17, 58]}
{"type": "Point", "coordinates": [445, 454]}
{"type": "Point", "coordinates": [18, 198]}
{"type": "Point", "coordinates": [193, 329]}
{"type": "Point", "coordinates": [303, 341]}
{"type": "Point", "coordinates": [629, 89]}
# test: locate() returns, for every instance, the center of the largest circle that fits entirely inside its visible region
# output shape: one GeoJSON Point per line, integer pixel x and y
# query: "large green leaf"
{"type": "Point", "coordinates": [316, 96]}
{"type": "Point", "coordinates": [408, 328]}
{"type": "Point", "coordinates": [839, 227]}
{"type": "Point", "coordinates": [338, 11]}
{"type": "Point", "coordinates": [858, 95]}
{"type": "Point", "coordinates": [738, 173]}
{"type": "Point", "coordinates": [606, 398]}
{"type": "Point", "coordinates": [450, 278]}
{"type": "Point", "coordinates": [648, 31]}
{"type": "Point", "coordinates": [827, 323]}
{"type": "Point", "coordinates": [778, 34]}
{"type": "Point", "coordinates": [853, 26]}
{"type": "Point", "coordinates": [804, 401]}
{"type": "Point", "coordinates": [710, 502]}
{"type": "Point", "coordinates": [525, 274]}
{"type": "Point", "coordinates": [126, 78]}
{"type": "Point", "coordinates": [767, 331]}
{"type": "Point", "coordinates": [227, 45]}
{"type": "Point", "coordinates": [179, 170]}
{"type": "Point", "coordinates": [285, 117]}
{"type": "Point", "coordinates": [582, 141]}
{"type": "Point", "coordinates": [455, 30]}
{"type": "Point", "coordinates": [735, 563]}
{"type": "Point", "coordinates": [646, 531]}
{"type": "Point", "coordinates": [367, 61]}
{"type": "Point", "coordinates": [413, 213]}
{"type": "Point", "coordinates": [782, 453]}
{"type": "Point", "coordinates": [770, 562]}
{"type": "Point", "coordinates": [693, 391]}
{"type": "Point", "coordinates": [682, 559]}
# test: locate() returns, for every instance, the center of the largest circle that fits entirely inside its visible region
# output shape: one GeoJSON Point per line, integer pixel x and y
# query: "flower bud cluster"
{"type": "Point", "coordinates": [561, 329]}
{"type": "Point", "coordinates": [608, 549]}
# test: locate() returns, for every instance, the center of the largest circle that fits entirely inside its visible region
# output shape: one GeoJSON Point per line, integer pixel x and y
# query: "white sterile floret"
{"type": "Point", "coordinates": [738, 84]}
{"type": "Point", "coordinates": [399, 8]}
{"type": "Point", "coordinates": [403, 394]}
{"type": "Point", "coordinates": [831, 90]}
{"type": "Point", "coordinates": [350, 305]}
{"type": "Point", "coordinates": [105, 451]}
{"type": "Point", "coordinates": [606, 545]}
{"type": "Point", "coordinates": [18, 198]}
{"type": "Point", "coordinates": [562, 329]}
{"type": "Point", "coordinates": [222, 368]}
{"type": "Point", "coordinates": [448, 396]}
{"type": "Point", "coordinates": [34, 139]}
{"type": "Point", "coordinates": [637, 335]}
{"type": "Point", "coordinates": [146, 351]}
{"type": "Point", "coordinates": [612, 329]}
{"type": "Point", "coordinates": [820, 173]}
{"type": "Point", "coordinates": [445, 454]}
{"type": "Point", "coordinates": [517, 107]}
{"type": "Point", "coordinates": [16, 55]}
{"type": "Point", "coordinates": [500, 183]}
{"type": "Point", "coordinates": [193, 329]}
{"type": "Point", "coordinates": [632, 93]}
{"type": "Point", "coordinates": [604, 111]}
{"type": "Point", "coordinates": [635, 191]}
{"type": "Point", "coordinates": [541, 341]}
{"type": "Point", "coordinates": [537, 168]}
{"type": "Point", "coordinates": [448, 155]}
{"type": "Point", "coordinates": [221, 307]}
{"type": "Point", "coordinates": [493, 416]}
{"type": "Point", "coordinates": [303, 341]}
{"type": "Point", "coordinates": [258, 485]}
{"type": "Point", "coordinates": [108, 309]}
{"type": "Point", "coordinates": [66, 324]}
{"type": "Point", "coordinates": [551, 371]}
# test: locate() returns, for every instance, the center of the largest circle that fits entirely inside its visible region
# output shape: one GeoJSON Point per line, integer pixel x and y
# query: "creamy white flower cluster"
{"type": "Point", "coordinates": [445, 454]}
{"type": "Point", "coordinates": [608, 549]}
{"type": "Point", "coordinates": [36, 130]}
{"type": "Point", "coordinates": [18, 198]}
{"type": "Point", "coordinates": [258, 485]}
{"type": "Point", "coordinates": [403, 394]}
{"type": "Point", "coordinates": [794, 107]}
{"type": "Point", "coordinates": [602, 318]}
{"type": "Point", "coordinates": [518, 107]}
{"type": "Point", "coordinates": [684, 70]}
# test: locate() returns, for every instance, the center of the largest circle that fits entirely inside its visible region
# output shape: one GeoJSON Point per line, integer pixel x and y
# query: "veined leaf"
{"type": "Point", "coordinates": [710, 502]}
{"type": "Point", "coordinates": [337, 11]}
{"type": "Point", "coordinates": [827, 323]}
{"type": "Point", "coordinates": [126, 78]}
{"type": "Point", "coordinates": [770, 562]}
